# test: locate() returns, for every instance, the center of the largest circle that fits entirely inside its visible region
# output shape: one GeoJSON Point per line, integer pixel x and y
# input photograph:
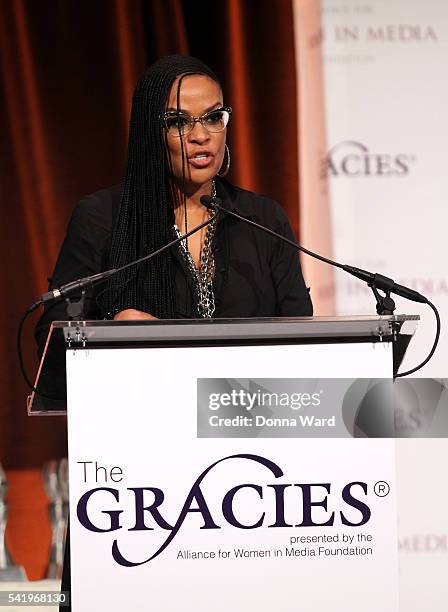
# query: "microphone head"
{"type": "Point", "coordinates": [210, 202]}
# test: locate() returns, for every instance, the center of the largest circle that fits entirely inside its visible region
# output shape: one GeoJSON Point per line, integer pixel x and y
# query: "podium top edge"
{"type": "Point", "coordinates": [400, 318]}
{"type": "Point", "coordinates": [79, 333]}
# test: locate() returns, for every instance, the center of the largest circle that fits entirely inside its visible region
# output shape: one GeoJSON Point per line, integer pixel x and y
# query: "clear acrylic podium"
{"type": "Point", "coordinates": [211, 466]}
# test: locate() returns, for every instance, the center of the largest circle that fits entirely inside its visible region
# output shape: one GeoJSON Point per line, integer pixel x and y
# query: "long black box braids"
{"type": "Point", "coordinates": [146, 215]}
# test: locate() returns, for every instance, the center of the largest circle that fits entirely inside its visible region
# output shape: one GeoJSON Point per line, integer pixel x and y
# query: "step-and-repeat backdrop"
{"type": "Point", "coordinates": [386, 157]}
{"type": "Point", "coordinates": [384, 175]}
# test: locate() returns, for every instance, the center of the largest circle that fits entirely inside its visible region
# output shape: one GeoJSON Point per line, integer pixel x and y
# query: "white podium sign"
{"type": "Point", "coordinates": [165, 520]}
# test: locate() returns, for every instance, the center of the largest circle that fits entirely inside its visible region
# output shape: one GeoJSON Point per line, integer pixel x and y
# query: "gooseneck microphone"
{"type": "Point", "coordinates": [79, 285]}
{"type": "Point", "coordinates": [384, 303]}
{"type": "Point", "coordinates": [373, 280]}
{"type": "Point", "coordinates": [88, 281]}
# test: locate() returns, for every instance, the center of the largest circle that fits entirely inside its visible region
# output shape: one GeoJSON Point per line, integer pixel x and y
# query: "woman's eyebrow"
{"type": "Point", "coordinates": [170, 109]}
{"type": "Point", "coordinates": [213, 106]}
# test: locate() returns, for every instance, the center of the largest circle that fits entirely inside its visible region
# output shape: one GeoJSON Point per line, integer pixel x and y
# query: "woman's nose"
{"type": "Point", "coordinates": [198, 133]}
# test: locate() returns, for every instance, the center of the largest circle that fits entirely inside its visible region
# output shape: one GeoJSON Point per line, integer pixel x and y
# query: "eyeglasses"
{"type": "Point", "coordinates": [178, 123]}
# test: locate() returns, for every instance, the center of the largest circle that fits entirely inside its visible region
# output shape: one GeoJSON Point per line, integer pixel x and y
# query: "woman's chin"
{"type": "Point", "coordinates": [196, 180]}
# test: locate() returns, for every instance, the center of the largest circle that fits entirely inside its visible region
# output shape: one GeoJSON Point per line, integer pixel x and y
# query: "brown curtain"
{"type": "Point", "coordinates": [68, 68]}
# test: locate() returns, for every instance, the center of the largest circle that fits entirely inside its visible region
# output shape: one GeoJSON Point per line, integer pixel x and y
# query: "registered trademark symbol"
{"type": "Point", "coordinates": [381, 488]}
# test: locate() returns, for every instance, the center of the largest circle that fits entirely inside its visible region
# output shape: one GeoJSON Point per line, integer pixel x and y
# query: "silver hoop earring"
{"type": "Point", "coordinates": [227, 168]}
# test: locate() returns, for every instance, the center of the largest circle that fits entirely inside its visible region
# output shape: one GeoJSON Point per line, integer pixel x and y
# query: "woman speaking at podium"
{"type": "Point", "coordinates": [178, 153]}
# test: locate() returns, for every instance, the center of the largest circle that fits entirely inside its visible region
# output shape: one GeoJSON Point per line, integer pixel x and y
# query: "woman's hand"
{"type": "Point", "coordinates": [130, 314]}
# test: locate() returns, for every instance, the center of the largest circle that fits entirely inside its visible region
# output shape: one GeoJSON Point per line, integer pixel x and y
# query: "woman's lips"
{"type": "Point", "coordinates": [201, 160]}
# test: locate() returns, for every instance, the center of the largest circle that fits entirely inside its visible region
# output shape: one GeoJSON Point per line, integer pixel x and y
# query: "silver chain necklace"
{"type": "Point", "coordinates": [204, 275]}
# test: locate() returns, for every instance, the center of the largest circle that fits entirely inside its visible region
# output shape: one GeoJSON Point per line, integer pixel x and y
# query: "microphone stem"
{"type": "Point", "coordinates": [276, 235]}
{"type": "Point", "coordinates": [375, 281]}
{"type": "Point", "coordinates": [80, 284]}
{"type": "Point", "coordinates": [167, 246]}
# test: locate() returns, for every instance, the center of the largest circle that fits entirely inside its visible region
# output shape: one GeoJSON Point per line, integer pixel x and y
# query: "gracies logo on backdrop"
{"type": "Point", "coordinates": [352, 158]}
{"type": "Point", "coordinates": [281, 505]}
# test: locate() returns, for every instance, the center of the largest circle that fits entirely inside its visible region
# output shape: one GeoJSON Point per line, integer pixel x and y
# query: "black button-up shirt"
{"type": "Point", "coordinates": [256, 275]}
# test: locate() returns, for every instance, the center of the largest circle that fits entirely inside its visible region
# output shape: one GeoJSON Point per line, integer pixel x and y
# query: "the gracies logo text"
{"type": "Point", "coordinates": [353, 159]}
{"type": "Point", "coordinates": [308, 501]}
